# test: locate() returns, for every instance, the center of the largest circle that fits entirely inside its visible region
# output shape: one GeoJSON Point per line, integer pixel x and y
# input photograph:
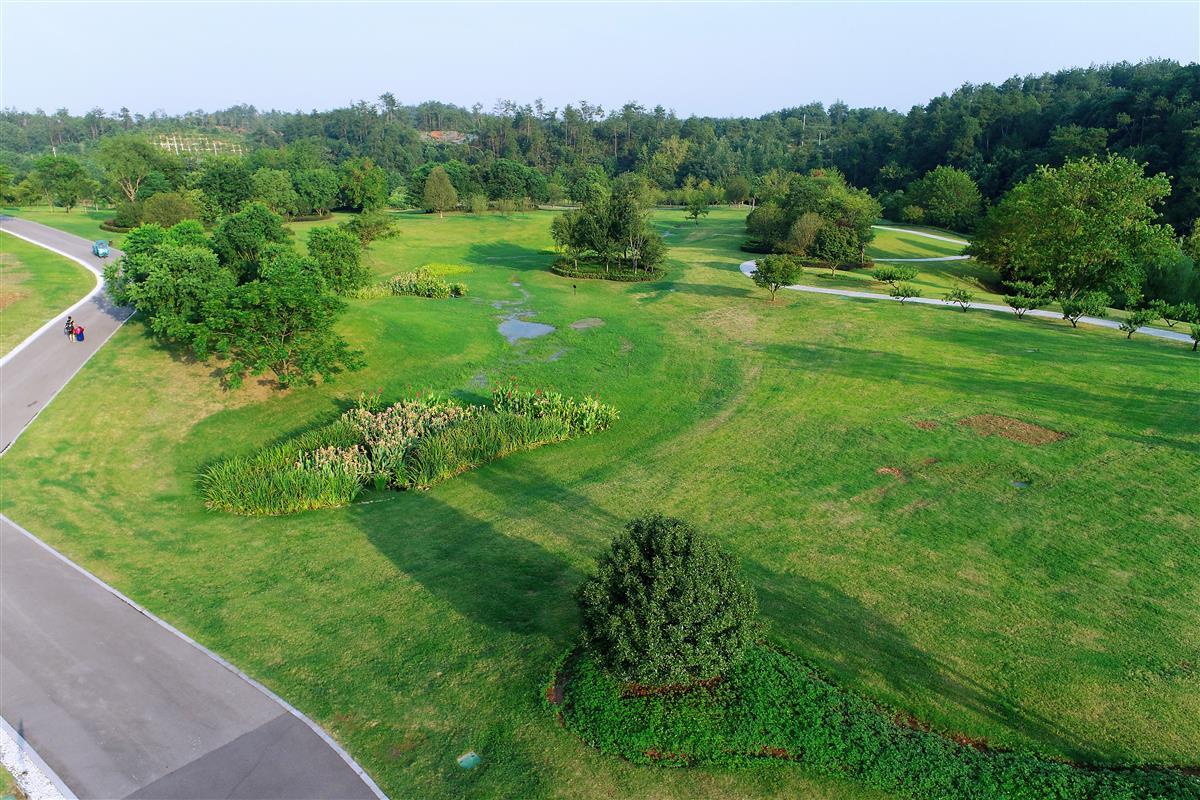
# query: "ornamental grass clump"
{"type": "Point", "coordinates": [666, 607]}
{"type": "Point", "coordinates": [581, 416]}
{"type": "Point", "coordinates": [411, 444]}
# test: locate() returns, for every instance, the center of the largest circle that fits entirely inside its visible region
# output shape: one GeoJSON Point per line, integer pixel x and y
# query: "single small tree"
{"type": "Point", "coordinates": [697, 206]}
{"type": "Point", "coordinates": [371, 225]}
{"type": "Point", "coordinates": [666, 605]}
{"type": "Point", "coordinates": [1026, 296]}
{"type": "Point", "coordinates": [893, 275]}
{"type": "Point", "coordinates": [1195, 337]}
{"type": "Point", "coordinates": [960, 296]}
{"type": "Point", "coordinates": [1172, 314]}
{"type": "Point", "coordinates": [1135, 320]}
{"type": "Point", "coordinates": [1089, 304]}
{"type": "Point", "coordinates": [774, 272]}
{"type": "Point", "coordinates": [903, 291]}
{"type": "Point", "coordinates": [439, 192]}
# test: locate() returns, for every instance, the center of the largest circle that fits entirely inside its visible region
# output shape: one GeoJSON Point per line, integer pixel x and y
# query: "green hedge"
{"type": "Point", "coordinates": [598, 273]}
{"type": "Point", "coordinates": [774, 706]}
{"type": "Point", "coordinates": [110, 226]}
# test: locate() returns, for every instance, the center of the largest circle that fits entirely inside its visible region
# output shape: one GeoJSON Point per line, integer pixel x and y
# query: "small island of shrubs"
{"type": "Point", "coordinates": [673, 670]}
{"type": "Point", "coordinates": [412, 444]}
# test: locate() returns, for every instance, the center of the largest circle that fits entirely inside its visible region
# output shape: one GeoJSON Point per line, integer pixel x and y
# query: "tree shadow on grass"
{"type": "Point", "coordinates": [1017, 390]}
{"type": "Point", "coordinates": [507, 255]}
{"type": "Point", "coordinates": [507, 583]}
{"type": "Point", "coordinates": [839, 630]}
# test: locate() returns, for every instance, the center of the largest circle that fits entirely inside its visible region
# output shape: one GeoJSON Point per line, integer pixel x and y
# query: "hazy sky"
{"type": "Point", "coordinates": [741, 58]}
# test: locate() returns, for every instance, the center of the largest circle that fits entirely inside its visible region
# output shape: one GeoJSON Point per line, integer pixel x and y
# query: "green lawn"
{"type": "Point", "coordinates": [1061, 617]}
{"type": "Point", "coordinates": [35, 284]}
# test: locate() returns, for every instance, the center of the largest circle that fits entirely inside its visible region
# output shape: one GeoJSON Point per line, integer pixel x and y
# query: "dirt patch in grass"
{"type": "Point", "coordinates": [927, 424]}
{"type": "Point", "coordinates": [8, 298]}
{"type": "Point", "coordinates": [587, 322]}
{"type": "Point", "coordinates": [1010, 428]}
{"type": "Point", "coordinates": [670, 689]}
{"type": "Point", "coordinates": [895, 472]}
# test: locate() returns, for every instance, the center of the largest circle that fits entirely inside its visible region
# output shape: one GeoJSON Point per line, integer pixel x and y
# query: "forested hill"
{"type": "Point", "coordinates": [997, 133]}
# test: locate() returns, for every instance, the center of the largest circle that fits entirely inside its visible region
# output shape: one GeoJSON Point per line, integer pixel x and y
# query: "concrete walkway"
{"type": "Point", "coordinates": [747, 268]}
{"type": "Point", "coordinates": [114, 701]}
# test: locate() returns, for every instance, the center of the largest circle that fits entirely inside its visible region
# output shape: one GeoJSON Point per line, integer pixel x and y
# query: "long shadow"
{"type": "Point", "coordinates": [1018, 389]}
{"type": "Point", "coordinates": [840, 630]}
{"type": "Point", "coordinates": [506, 583]}
{"type": "Point", "coordinates": [510, 256]}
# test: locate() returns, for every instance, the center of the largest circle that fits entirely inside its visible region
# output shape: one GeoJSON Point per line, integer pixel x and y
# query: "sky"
{"type": "Point", "coordinates": [719, 59]}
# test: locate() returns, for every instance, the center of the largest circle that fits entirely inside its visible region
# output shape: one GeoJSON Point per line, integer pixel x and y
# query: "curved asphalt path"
{"type": "Point", "coordinates": [747, 268]}
{"type": "Point", "coordinates": [116, 702]}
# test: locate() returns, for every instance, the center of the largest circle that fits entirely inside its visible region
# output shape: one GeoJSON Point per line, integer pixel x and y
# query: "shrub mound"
{"type": "Point", "coordinates": [771, 705]}
{"type": "Point", "coordinates": [666, 606]}
{"type": "Point", "coordinates": [411, 444]}
{"type": "Point", "coordinates": [598, 272]}
{"type": "Point", "coordinates": [422, 283]}
{"type": "Point", "coordinates": [111, 226]}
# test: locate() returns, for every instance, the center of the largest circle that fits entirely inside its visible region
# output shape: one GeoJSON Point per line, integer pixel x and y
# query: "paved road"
{"type": "Point", "coordinates": [747, 268]}
{"type": "Point", "coordinates": [34, 371]}
{"type": "Point", "coordinates": [115, 701]}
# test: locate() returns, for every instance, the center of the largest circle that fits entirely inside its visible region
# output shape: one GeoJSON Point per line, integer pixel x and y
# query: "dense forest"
{"type": "Point", "coordinates": [996, 134]}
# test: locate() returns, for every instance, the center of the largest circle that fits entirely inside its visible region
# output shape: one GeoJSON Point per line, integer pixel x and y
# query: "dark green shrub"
{"type": "Point", "coordinates": [666, 605]}
{"type": "Point", "coordinates": [771, 705]}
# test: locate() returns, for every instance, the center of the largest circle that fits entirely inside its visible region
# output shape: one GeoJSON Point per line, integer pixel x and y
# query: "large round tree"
{"type": "Point", "coordinates": [1087, 226]}
{"type": "Point", "coordinates": [666, 605]}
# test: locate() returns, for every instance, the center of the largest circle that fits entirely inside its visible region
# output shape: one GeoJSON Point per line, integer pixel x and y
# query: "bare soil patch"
{"type": "Point", "coordinates": [587, 322]}
{"type": "Point", "coordinates": [8, 298]}
{"type": "Point", "coordinates": [895, 472]}
{"type": "Point", "coordinates": [927, 424]}
{"type": "Point", "coordinates": [1010, 428]}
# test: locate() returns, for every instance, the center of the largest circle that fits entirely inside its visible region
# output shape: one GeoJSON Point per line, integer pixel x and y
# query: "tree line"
{"type": "Point", "coordinates": [996, 134]}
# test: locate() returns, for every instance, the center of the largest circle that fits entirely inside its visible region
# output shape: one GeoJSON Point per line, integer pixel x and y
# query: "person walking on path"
{"type": "Point", "coordinates": [69, 327]}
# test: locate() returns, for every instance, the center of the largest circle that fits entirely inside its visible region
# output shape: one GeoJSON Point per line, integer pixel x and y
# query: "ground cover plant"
{"type": "Point", "coordinates": [411, 444]}
{"type": "Point", "coordinates": [771, 705]}
{"type": "Point", "coordinates": [1056, 619]}
{"type": "Point", "coordinates": [37, 284]}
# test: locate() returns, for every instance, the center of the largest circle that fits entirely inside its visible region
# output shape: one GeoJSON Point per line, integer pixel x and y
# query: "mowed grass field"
{"type": "Point", "coordinates": [35, 284]}
{"type": "Point", "coordinates": [1061, 617]}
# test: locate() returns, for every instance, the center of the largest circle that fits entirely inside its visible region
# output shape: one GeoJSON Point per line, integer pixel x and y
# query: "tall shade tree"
{"type": "Point", "coordinates": [1087, 226]}
{"type": "Point", "coordinates": [339, 253]}
{"type": "Point", "coordinates": [242, 240]}
{"type": "Point", "coordinates": [947, 197]}
{"type": "Point", "coordinates": [64, 180]}
{"type": "Point", "coordinates": [127, 160]}
{"type": "Point", "coordinates": [227, 182]}
{"type": "Point", "coordinates": [439, 194]}
{"type": "Point", "coordinates": [273, 188]}
{"type": "Point", "coordinates": [364, 186]}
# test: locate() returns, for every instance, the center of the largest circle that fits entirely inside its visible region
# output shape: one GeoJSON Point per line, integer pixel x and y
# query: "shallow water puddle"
{"type": "Point", "coordinates": [514, 329]}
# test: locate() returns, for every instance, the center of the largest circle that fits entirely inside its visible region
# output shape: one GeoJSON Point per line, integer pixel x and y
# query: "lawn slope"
{"type": "Point", "coordinates": [900, 559]}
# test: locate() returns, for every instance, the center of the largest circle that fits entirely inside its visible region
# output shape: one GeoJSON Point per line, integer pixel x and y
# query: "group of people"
{"type": "Point", "coordinates": [73, 329]}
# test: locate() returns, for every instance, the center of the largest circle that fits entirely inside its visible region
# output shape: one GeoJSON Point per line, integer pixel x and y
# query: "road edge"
{"type": "Point", "coordinates": [297, 713]}
{"type": "Point", "coordinates": [99, 287]}
{"type": "Point", "coordinates": [35, 777]}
